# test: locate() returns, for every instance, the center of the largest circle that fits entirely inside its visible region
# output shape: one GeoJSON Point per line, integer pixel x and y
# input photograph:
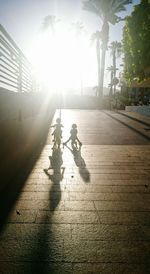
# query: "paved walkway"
{"type": "Point", "coordinates": [91, 212]}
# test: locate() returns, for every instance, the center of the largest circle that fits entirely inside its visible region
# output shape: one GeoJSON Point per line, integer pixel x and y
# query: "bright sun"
{"type": "Point", "coordinates": [63, 60]}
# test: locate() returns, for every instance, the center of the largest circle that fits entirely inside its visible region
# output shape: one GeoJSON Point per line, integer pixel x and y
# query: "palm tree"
{"type": "Point", "coordinates": [96, 36]}
{"type": "Point", "coordinates": [115, 48]}
{"type": "Point", "coordinates": [111, 70]}
{"type": "Point", "coordinates": [50, 22]}
{"type": "Point", "coordinates": [106, 10]}
{"type": "Point", "coordinates": [79, 29]}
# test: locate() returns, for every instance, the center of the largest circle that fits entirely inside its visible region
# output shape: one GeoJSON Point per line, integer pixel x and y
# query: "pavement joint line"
{"type": "Point", "coordinates": [113, 240]}
{"type": "Point", "coordinates": [125, 124]}
{"type": "Point", "coordinates": [97, 213]}
{"type": "Point", "coordinates": [110, 262]}
{"type": "Point", "coordinates": [91, 211]}
{"type": "Point", "coordinates": [120, 224]}
{"type": "Point", "coordinates": [140, 211]}
{"type": "Point", "coordinates": [74, 263]}
{"type": "Point", "coordinates": [71, 228]}
{"type": "Point", "coordinates": [74, 225]}
{"type": "Point", "coordinates": [63, 250]}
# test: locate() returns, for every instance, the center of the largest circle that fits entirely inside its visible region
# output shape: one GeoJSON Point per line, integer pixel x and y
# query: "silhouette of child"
{"type": "Point", "coordinates": [57, 133]}
{"type": "Point", "coordinates": [73, 136]}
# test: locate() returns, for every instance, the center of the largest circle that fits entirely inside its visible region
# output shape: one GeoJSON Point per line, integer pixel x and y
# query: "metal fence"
{"type": "Point", "coordinates": [15, 70]}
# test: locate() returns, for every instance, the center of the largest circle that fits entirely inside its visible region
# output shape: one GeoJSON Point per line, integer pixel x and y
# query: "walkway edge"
{"type": "Point", "coordinates": [125, 124]}
{"type": "Point", "coordinates": [133, 118]}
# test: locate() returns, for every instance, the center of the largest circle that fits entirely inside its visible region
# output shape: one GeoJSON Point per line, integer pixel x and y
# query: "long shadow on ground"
{"type": "Point", "coordinates": [13, 178]}
{"type": "Point", "coordinates": [47, 248]}
{"type": "Point", "coordinates": [80, 163]}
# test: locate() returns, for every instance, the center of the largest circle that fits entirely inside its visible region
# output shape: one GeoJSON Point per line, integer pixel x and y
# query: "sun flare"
{"type": "Point", "coordinates": [63, 60]}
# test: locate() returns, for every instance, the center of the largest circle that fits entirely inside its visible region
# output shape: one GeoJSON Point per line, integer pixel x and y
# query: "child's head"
{"type": "Point", "coordinates": [58, 120]}
{"type": "Point", "coordinates": [74, 126]}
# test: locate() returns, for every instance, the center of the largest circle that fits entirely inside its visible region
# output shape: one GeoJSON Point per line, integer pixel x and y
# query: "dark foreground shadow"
{"type": "Point", "coordinates": [45, 251]}
{"type": "Point", "coordinates": [80, 163]}
{"type": "Point", "coordinates": [56, 176]}
{"type": "Point", "coordinates": [14, 176]}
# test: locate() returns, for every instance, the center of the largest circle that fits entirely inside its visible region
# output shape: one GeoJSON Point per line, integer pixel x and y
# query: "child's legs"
{"type": "Point", "coordinates": [67, 140]}
{"type": "Point", "coordinates": [78, 140]}
{"type": "Point", "coordinates": [73, 141]}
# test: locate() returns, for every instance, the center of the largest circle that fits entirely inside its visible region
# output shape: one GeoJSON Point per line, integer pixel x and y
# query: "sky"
{"type": "Point", "coordinates": [22, 19]}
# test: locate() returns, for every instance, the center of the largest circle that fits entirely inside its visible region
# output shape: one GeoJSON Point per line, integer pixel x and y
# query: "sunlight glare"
{"type": "Point", "coordinates": [63, 60]}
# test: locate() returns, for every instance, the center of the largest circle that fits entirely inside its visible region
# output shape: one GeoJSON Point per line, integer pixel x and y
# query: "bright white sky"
{"type": "Point", "coordinates": [62, 61]}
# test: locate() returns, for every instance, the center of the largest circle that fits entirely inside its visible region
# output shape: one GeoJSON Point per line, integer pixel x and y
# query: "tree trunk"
{"type": "Point", "coordinates": [114, 66]}
{"type": "Point", "coordinates": [105, 33]}
{"type": "Point", "coordinates": [102, 72]}
{"type": "Point", "coordinates": [98, 63]}
{"type": "Point", "coordinates": [111, 85]}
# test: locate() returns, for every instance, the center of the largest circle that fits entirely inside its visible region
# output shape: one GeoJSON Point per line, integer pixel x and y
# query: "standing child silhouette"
{"type": "Point", "coordinates": [73, 136]}
{"type": "Point", "coordinates": [57, 133]}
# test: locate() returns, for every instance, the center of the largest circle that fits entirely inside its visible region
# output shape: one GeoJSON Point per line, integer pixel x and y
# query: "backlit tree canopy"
{"type": "Point", "coordinates": [136, 43]}
{"type": "Point", "coordinates": [107, 11]}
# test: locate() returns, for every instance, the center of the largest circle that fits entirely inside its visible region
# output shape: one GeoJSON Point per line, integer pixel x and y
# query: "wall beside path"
{"type": "Point", "coordinates": [144, 110]}
{"type": "Point", "coordinates": [24, 123]}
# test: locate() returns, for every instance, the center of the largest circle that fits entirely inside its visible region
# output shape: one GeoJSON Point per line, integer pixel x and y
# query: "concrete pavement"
{"type": "Point", "coordinates": [91, 212]}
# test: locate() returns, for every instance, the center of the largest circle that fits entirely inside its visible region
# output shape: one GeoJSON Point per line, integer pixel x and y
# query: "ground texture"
{"type": "Point", "coordinates": [88, 213]}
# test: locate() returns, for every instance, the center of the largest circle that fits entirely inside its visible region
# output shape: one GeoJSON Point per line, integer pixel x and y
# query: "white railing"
{"type": "Point", "coordinates": [15, 70]}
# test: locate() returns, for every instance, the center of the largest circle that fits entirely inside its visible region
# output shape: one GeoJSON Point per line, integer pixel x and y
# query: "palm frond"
{"type": "Point", "coordinates": [115, 46]}
{"type": "Point", "coordinates": [107, 9]}
{"type": "Point", "coordinates": [92, 7]}
{"type": "Point", "coordinates": [96, 36]}
{"type": "Point", "coordinates": [49, 22]}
